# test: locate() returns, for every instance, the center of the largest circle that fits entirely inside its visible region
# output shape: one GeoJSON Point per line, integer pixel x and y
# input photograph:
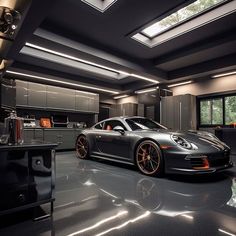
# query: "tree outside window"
{"type": "Point", "coordinates": [230, 109]}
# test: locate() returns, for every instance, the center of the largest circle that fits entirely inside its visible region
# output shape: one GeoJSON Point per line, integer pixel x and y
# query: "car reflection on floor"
{"type": "Point", "coordinates": [96, 198]}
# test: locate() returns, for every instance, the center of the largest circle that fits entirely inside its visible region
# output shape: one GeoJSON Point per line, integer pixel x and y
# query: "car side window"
{"type": "Point", "coordinates": [111, 124]}
{"type": "Point", "coordinates": [99, 126]}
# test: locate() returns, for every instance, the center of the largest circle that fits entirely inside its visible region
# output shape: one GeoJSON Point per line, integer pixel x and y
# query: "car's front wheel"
{"type": "Point", "coordinates": [149, 158]}
{"type": "Point", "coordinates": [82, 147]}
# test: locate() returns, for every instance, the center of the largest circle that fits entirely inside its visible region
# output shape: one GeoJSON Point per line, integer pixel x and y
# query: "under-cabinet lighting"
{"type": "Point", "coordinates": [146, 90]}
{"type": "Point", "coordinates": [178, 84]}
{"type": "Point", "coordinates": [89, 62]}
{"type": "Point", "coordinates": [121, 96]}
{"type": "Point", "coordinates": [224, 74]}
{"type": "Point", "coordinates": [62, 82]}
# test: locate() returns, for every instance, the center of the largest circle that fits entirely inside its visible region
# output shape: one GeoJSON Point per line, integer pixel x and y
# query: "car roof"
{"type": "Point", "coordinates": [121, 118]}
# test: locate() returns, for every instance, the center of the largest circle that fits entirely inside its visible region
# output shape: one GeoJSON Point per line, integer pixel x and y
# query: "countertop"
{"type": "Point", "coordinates": [27, 146]}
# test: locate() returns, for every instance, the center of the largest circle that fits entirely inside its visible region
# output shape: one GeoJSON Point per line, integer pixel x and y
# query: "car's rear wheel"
{"type": "Point", "coordinates": [82, 147]}
{"type": "Point", "coordinates": [149, 158]}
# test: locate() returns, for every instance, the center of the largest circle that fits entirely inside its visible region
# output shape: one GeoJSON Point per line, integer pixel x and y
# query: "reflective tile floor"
{"type": "Point", "coordinates": [100, 198]}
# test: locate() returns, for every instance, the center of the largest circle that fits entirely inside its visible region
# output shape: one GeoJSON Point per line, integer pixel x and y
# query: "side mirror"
{"type": "Point", "coordinates": [119, 129]}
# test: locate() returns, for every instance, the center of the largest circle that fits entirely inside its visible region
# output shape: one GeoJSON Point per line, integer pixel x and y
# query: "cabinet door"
{"type": "Point", "coordinates": [65, 138]}
{"type": "Point", "coordinates": [60, 98]}
{"type": "Point", "coordinates": [93, 105]}
{"type": "Point", "coordinates": [28, 135]}
{"type": "Point", "coordinates": [82, 101]}
{"type": "Point", "coordinates": [36, 95]}
{"type": "Point", "coordinates": [21, 93]}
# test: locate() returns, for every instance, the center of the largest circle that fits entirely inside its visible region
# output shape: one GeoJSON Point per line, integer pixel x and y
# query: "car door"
{"type": "Point", "coordinates": [113, 143]}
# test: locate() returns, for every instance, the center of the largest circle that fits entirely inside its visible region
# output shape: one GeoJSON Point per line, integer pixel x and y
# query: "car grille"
{"type": "Point", "coordinates": [197, 162]}
{"type": "Point", "coordinates": [220, 159]}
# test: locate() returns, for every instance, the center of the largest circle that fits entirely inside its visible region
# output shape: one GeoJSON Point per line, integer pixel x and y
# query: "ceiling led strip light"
{"type": "Point", "coordinates": [89, 62]}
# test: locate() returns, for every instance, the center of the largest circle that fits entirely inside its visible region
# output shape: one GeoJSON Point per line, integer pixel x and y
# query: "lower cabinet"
{"type": "Point", "coordinates": [65, 138]}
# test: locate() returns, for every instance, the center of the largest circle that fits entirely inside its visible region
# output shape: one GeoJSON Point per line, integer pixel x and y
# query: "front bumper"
{"type": "Point", "coordinates": [194, 163]}
{"type": "Point", "coordinates": [210, 170]}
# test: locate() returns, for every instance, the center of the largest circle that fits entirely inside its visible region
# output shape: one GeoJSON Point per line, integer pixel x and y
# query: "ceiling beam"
{"type": "Point", "coordinates": [195, 48]}
{"type": "Point", "coordinates": [203, 68]}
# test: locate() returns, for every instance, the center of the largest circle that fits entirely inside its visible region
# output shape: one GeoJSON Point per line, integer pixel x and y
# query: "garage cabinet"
{"type": "Point", "coordinates": [65, 138]}
{"type": "Point", "coordinates": [35, 95]}
{"type": "Point", "coordinates": [60, 98]}
{"type": "Point", "coordinates": [21, 93]}
{"type": "Point", "coordinates": [179, 112]}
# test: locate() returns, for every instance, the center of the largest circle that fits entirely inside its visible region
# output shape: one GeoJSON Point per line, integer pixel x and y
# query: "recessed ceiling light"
{"type": "Point", "coordinates": [89, 62]}
{"type": "Point", "coordinates": [121, 96]}
{"type": "Point", "coordinates": [178, 84]}
{"type": "Point", "coordinates": [62, 82]}
{"type": "Point", "coordinates": [146, 90]}
{"type": "Point", "coordinates": [224, 74]}
{"type": "Point", "coordinates": [100, 5]}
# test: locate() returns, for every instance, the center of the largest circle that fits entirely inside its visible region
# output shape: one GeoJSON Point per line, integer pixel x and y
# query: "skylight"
{"type": "Point", "coordinates": [186, 19]}
{"type": "Point", "coordinates": [179, 16]}
{"type": "Point", "coordinates": [100, 5]}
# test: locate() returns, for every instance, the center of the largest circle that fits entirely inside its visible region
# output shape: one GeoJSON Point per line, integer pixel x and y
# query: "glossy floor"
{"type": "Point", "coordinates": [100, 198]}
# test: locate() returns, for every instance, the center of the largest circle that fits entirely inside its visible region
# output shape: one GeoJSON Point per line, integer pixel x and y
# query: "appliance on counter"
{"type": "Point", "coordinates": [29, 123]}
{"type": "Point", "coordinates": [45, 123]}
{"type": "Point", "coordinates": [59, 121]}
{"type": "Point", "coordinates": [80, 125]}
{"type": "Point", "coordinates": [14, 129]}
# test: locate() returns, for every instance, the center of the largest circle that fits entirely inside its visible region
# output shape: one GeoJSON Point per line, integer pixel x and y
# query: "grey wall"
{"type": "Point", "coordinates": [217, 85]}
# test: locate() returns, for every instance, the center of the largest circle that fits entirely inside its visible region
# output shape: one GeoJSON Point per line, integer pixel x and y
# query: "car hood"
{"type": "Point", "coordinates": [201, 138]}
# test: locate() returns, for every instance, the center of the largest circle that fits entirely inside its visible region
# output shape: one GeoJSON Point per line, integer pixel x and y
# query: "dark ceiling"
{"type": "Point", "coordinates": [77, 29]}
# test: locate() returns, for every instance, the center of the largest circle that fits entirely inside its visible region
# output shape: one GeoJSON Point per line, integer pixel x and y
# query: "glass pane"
{"type": "Point", "coordinates": [205, 112]}
{"type": "Point", "coordinates": [230, 109]}
{"type": "Point", "coordinates": [217, 111]}
{"type": "Point", "coordinates": [179, 16]}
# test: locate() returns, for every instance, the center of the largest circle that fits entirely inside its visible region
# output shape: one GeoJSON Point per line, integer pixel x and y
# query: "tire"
{"type": "Point", "coordinates": [149, 158]}
{"type": "Point", "coordinates": [82, 147]}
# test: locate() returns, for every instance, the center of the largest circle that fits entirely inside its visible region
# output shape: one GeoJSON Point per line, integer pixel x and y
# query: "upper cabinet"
{"type": "Point", "coordinates": [36, 95]}
{"type": "Point", "coordinates": [42, 96]}
{"type": "Point", "coordinates": [60, 98]}
{"type": "Point", "coordinates": [86, 102]}
{"type": "Point", "coordinates": [21, 93]}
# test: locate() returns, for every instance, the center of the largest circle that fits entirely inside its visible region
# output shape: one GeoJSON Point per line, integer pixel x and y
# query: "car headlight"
{"type": "Point", "coordinates": [183, 143]}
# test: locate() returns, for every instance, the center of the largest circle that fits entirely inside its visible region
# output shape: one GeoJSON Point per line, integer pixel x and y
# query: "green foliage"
{"type": "Point", "coordinates": [186, 12]}
{"type": "Point", "coordinates": [211, 111]}
{"type": "Point", "coordinates": [230, 109]}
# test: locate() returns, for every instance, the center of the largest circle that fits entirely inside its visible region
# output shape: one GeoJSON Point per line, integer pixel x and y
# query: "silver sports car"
{"type": "Point", "coordinates": [152, 147]}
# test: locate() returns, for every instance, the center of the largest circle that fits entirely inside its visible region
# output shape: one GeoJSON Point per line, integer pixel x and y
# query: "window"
{"type": "Point", "coordinates": [230, 110]}
{"type": "Point", "coordinates": [211, 112]}
{"type": "Point", "coordinates": [218, 111]}
{"type": "Point", "coordinates": [99, 126]}
{"type": "Point", "coordinates": [143, 123]}
{"type": "Point", "coordinates": [184, 20]}
{"type": "Point", "coordinates": [179, 16]}
{"type": "Point", "coordinates": [111, 124]}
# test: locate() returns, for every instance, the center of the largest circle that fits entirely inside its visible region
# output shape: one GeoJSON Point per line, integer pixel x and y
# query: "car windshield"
{"type": "Point", "coordinates": [143, 123]}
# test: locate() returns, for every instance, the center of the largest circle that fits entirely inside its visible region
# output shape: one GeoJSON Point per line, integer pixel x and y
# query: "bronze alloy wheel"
{"type": "Point", "coordinates": [82, 147]}
{"type": "Point", "coordinates": [149, 159]}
